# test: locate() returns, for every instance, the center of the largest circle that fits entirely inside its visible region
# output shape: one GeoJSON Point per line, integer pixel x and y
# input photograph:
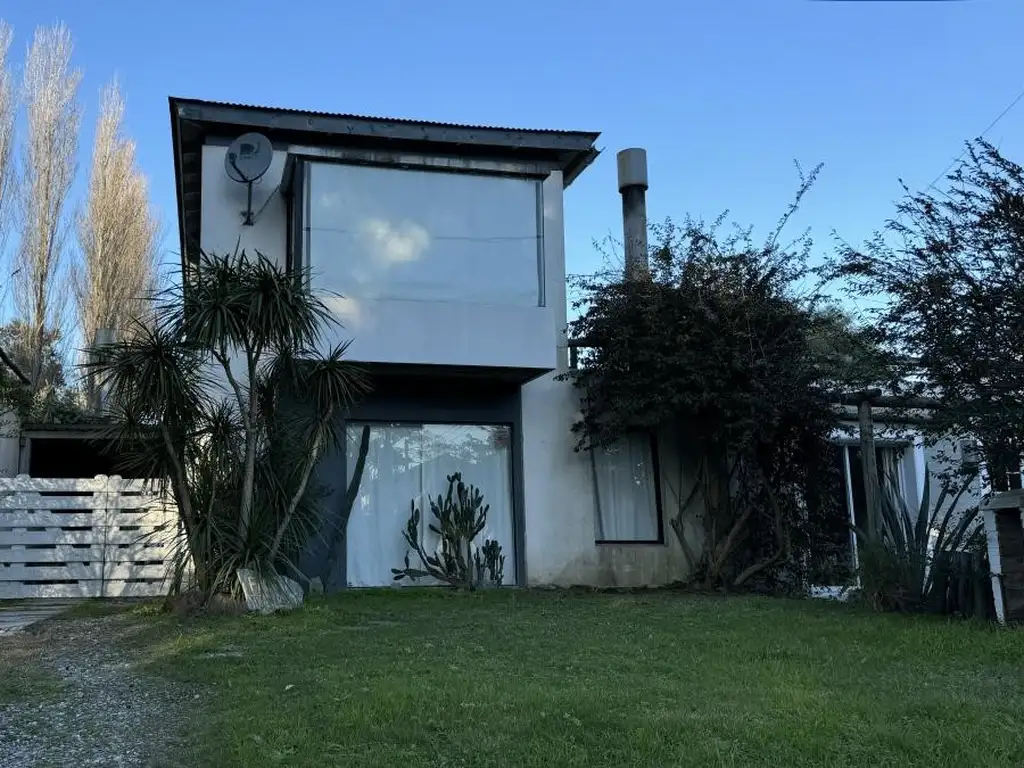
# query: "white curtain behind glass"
{"type": "Point", "coordinates": [624, 485]}
{"type": "Point", "coordinates": [408, 462]}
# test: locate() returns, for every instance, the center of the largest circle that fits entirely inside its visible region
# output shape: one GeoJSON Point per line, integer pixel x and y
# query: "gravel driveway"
{"type": "Point", "coordinates": [84, 702]}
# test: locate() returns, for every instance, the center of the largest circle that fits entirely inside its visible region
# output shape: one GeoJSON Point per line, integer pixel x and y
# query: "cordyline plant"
{"type": "Point", "coordinates": [225, 395]}
{"type": "Point", "coordinates": [720, 350]}
{"type": "Point", "coordinates": [909, 562]}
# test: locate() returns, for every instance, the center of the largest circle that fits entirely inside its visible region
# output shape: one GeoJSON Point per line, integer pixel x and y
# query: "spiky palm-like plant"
{"type": "Point", "coordinates": [907, 562]}
{"type": "Point", "coordinates": [225, 394]}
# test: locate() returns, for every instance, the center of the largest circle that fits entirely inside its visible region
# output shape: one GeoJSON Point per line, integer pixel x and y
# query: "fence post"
{"type": "Point", "coordinates": [1004, 533]}
{"type": "Point", "coordinates": [102, 500]}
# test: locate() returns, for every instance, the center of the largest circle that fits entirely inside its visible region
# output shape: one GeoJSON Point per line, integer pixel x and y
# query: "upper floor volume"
{"type": "Point", "coordinates": [436, 244]}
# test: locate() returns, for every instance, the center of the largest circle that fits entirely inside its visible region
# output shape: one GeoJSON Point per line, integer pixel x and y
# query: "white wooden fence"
{"type": "Point", "coordinates": [100, 537]}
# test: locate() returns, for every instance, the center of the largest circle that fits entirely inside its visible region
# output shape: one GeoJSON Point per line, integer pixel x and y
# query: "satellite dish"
{"type": "Point", "coordinates": [248, 158]}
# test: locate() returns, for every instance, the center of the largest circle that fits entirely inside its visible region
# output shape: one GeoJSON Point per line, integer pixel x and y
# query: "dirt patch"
{"type": "Point", "coordinates": [76, 699]}
{"type": "Point", "coordinates": [194, 603]}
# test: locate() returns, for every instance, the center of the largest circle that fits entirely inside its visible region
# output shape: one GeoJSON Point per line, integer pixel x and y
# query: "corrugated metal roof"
{"type": "Point", "coordinates": [378, 118]}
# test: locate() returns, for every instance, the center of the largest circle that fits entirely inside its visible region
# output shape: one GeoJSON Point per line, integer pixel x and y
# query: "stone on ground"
{"type": "Point", "coordinates": [269, 592]}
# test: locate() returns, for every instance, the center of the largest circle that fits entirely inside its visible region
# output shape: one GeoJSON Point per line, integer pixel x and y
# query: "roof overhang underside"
{"type": "Point", "coordinates": [193, 122]}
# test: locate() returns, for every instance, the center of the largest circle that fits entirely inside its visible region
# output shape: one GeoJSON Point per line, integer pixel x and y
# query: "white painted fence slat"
{"type": "Point", "coordinates": [19, 518]}
{"type": "Point", "coordinates": [115, 524]}
{"type": "Point", "coordinates": [24, 483]}
{"type": "Point", "coordinates": [57, 536]}
{"type": "Point", "coordinates": [34, 501]}
{"type": "Point", "coordinates": [16, 591]}
{"type": "Point", "coordinates": [81, 571]}
{"type": "Point", "coordinates": [68, 554]}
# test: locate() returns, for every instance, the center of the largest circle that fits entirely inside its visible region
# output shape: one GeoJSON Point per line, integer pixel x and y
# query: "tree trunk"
{"type": "Point", "coordinates": [781, 540]}
{"type": "Point", "coordinates": [725, 547]}
{"type": "Point", "coordinates": [183, 498]}
{"type": "Point", "coordinates": [307, 470]}
{"type": "Point", "coordinates": [337, 540]}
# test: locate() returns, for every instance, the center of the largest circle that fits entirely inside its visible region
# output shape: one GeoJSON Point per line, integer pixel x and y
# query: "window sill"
{"type": "Point", "coordinates": [629, 543]}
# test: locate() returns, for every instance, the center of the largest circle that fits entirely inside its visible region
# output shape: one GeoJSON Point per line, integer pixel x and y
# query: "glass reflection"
{"type": "Point", "coordinates": [387, 233]}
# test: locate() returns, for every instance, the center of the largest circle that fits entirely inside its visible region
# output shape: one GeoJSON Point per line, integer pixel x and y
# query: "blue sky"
{"type": "Point", "coordinates": [724, 95]}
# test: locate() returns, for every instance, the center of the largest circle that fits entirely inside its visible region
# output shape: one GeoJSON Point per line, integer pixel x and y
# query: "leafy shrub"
{"type": "Point", "coordinates": [721, 350]}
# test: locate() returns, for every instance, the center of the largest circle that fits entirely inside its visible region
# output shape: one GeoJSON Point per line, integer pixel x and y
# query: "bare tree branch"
{"type": "Point", "coordinates": [116, 231]}
{"type": "Point", "coordinates": [50, 88]}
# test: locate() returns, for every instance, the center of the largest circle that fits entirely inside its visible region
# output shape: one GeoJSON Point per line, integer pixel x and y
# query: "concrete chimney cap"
{"type": "Point", "coordinates": [632, 168]}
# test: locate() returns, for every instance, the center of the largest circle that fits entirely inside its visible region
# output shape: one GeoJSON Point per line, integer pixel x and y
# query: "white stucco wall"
{"type": "Point", "coordinates": [560, 505]}
{"type": "Point", "coordinates": [383, 331]}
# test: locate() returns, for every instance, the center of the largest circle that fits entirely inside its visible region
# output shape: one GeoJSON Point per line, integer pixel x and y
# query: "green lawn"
{"type": "Point", "coordinates": [434, 678]}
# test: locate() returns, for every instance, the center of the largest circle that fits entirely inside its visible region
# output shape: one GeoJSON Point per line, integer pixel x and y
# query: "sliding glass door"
{"type": "Point", "coordinates": [409, 464]}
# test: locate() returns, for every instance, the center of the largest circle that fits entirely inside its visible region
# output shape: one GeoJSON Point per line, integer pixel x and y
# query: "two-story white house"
{"type": "Point", "coordinates": [446, 244]}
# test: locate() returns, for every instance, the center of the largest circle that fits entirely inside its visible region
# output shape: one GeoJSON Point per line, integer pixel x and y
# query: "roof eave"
{"type": "Point", "coordinates": [572, 151]}
{"type": "Point", "coordinates": [278, 120]}
{"type": "Point", "coordinates": [178, 191]}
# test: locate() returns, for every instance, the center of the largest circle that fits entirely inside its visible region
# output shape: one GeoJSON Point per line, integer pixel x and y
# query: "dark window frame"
{"type": "Point", "coordinates": [299, 213]}
{"type": "Point", "coordinates": [658, 503]}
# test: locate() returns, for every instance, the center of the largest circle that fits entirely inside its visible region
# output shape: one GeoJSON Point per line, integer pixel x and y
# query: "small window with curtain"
{"type": "Point", "coordinates": [626, 494]}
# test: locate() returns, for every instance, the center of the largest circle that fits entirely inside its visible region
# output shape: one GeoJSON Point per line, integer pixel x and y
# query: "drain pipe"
{"type": "Point", "coordinates": [632, 165]}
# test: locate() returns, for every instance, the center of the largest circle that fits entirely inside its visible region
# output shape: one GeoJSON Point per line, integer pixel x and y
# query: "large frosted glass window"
{"type": "Point", "coordinates": [626, 491]}
{"type": "Point", "coordinates": [410, 463]}
{"type": "Point", "coordinates": [388, 233]}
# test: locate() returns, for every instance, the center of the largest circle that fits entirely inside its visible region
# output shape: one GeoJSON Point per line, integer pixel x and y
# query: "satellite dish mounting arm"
{"type": "Point", "coordinates": [247, 213]}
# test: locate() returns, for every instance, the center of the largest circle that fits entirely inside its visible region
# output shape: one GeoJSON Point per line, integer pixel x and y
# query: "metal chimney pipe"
{"type": "Point", "coordinates": [632, 165]}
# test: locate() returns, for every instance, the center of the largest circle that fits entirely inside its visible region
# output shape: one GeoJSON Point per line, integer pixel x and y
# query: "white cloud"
{"type": "Point", "coordinates": [395, 244]}
{"type": "Point", "coordinates": [346, 310]}
{"type": "Point", "coordinates": [329, 200]}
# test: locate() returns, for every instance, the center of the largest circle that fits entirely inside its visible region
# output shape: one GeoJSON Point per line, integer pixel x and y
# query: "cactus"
{"type": "Point", "coordinates": [458, 518]}
{"type": "Point", "coordinates": [490, 564]}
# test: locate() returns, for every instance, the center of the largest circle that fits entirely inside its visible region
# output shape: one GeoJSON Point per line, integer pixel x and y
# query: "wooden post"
{"type": "Point", "coordinates": [872, 497]}
{"type": "Point", "coordinates": [1004, 531]}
